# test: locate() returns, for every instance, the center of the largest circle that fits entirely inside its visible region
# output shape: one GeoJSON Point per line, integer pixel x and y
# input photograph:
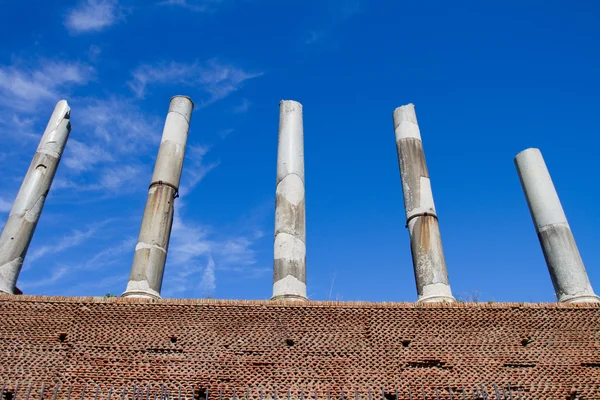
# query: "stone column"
{"type": "Point", "coordinates": [29, 203]}
{"type": "Point", "coordinates": [289, 271]}
{"type": "Point", "coordinates": [151, 250]}
{"type": "Point", "coordinates": [567, 271]}
{"type": "Point", "coordinates": [421, 218]}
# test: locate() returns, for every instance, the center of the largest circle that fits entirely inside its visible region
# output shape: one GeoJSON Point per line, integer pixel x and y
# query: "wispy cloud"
{"type": "Point", "coordinates": [23, 87]}
{"type": "Point", "coordinates": [94, 52]}
{"type": "Point", "coordinates": [5, 206]}
{"type": "Point", "coordinates": [75, 238]}
{"type": "Point", "coordinates": [120, 124]}
{"type": "Point", "coordinates": [217, 80]}
{"type": "Point", "coordinates": [333, 13]}
{"type": "Point", "coordinates": [243, 107]}
{"type": "Point", "coordinates": [226, 132]}
{"type": "Point", "coordinates": [208, 283]}
{"type": "Point", "coordinates": [116, 282]}
{"type": "Point", "coordinates": [116, 178]}
{"type": "Point", "coordinates": [93, 16]}
{"type": "Point", "coordinates": [194, 5]}
{"type": "Point", "coordinates": [196, 248]}
{"type": "Point", "coordinates": [82, 157]}
{"type": "Point", "coordinates": [195, 168]}
{"type": "Point", "coordinates": [313, 36]}
{"type": "Point", "coordinates": [57, 274]}
{"type": "Point", "coordinates": [110, 256]}
{"type": "Point", "coordinates": [117, 144]}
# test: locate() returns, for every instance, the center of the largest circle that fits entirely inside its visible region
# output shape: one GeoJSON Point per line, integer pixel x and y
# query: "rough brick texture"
{"type": "Point", "coordinates": [547, 350]}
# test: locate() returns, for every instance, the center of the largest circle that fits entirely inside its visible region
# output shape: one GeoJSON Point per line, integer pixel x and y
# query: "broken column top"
{"type": "Point", "coordinates": [54, 138]}
{"type": "Point", "coordinates": [405, 122]}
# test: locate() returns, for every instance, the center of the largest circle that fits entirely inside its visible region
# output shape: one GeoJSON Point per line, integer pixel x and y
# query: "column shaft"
{"type": "Point", "coordinates": [569, 277]}
{"type": "Point", "coordinates": [289, 270]}
{"type": "Point", "coordinates": [421, 219]}
{"type": "Point", "coordinates": [151, 250]}
{"type": "Point", "coordinates": [27, 208]}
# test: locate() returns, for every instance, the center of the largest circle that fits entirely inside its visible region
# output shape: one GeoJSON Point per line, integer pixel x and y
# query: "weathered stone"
{"type": "Point", "coordinates": [569, 277]}
{"type": "Point", "coordinates": [153, 241]}
{"type": "Point", "coordinates": [289, 266]}
{"type": "Point", "coordinates": [429, 263]}
{"type": "Point", "coordinates": [28, 205]}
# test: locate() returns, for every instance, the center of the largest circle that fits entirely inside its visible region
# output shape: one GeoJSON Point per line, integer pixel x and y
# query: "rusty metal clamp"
{"type": "Point", "coordinates": [423, 214]}
{"type": "Point", "coordinates": [159, 183]}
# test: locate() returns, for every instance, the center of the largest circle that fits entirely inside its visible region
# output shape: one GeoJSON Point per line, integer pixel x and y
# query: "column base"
{"type": "Point", "coordinates": [586, 298]}
{"type": "Point", "coordinates": [289, 297]}
{"type": "Point", "coordinates": [436, 299]}
{"type": "Point", "coordinates": [140, 294]}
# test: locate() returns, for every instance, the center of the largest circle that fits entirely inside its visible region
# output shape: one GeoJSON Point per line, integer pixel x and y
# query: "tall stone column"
{"type": "Point", "coordinates": [289, 270]}
{"type": "Point", "coordinates": [421, 219]}
{"type": "Point", "coordinates": [151, 250]}
{"type": "Point", "coordinates": [27, 208]}
{"type": "Point", "coordinates": [567, 271]}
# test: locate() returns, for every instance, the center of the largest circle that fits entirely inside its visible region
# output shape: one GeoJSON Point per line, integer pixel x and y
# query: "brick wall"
{"type": "Point", "coordinates": [546, 350]}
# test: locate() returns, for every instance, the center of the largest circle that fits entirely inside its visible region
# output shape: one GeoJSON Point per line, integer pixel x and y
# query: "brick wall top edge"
{"type": "Point", "coordinates": [269, 303]}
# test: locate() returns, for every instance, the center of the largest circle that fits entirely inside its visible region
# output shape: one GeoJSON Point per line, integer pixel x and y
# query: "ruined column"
{"type": "Point", "coordinates": [289, 270]}
{"type": "Point", "coordinates": [567, 271]}
{"type": "Point", "coordinates": [28, 205]}
{"type": "Point", "coordinates": [421, 219]}
{"type": "Point", "coordinates": [153, 241]}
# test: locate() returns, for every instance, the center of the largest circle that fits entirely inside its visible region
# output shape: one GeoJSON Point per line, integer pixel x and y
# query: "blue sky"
{"type": "Point", "coordinates": [488, 80]}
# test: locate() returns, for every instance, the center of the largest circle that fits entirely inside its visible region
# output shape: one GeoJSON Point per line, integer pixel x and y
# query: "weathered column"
{"type": "Point", "coordinates": [421, 219]}
{"type": "Point", "coordinates": [29, 203]}
{"type": "Point", "coordinates": [567, 271]}
{"type": "Point", "coordinates": [151, 250]}
{"type": "Point", "coordinates": [289, 270]}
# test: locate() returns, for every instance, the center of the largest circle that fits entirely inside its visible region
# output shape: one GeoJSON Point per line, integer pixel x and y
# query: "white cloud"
{"type": "Point", "coordinates": [243, 107]}
{"type": "Point", "coordinates": [22, 129]}
{"type": "Point", "coordinates": [56, 275]}
{"type": "Point", "coordinates": [22, 88]}
{"type": "Point", "coordinates": [195, 169]}
{"type": "Point", "coordinates": [93, 15]}
{"type": "Point", "coordinates": [116, 282]}
{"type": "Point", "coordinates": [313, 36]}
{"type": "Point", "coordinates": [117, 143]}
{"type": "Point", "coordinates": [236, 250]}
{"type": "Point", "coordinates": [188, 241]}
{"type": "Point", "coordinates": [5, 206]}
{"type": "Point", "coordinates": [119, 124]}
{"type": "Point", "coordinates": [112, 180]}
{"type": "Point", "coordinates": [110, 256]}
{"type": "Point", "coordinates": [82, 157]}
{"type": "Point", "coordinates": [208, 283]}
{"type": "Point", "coordinates": [94, 52]}
{"type": "Point", "coordinates": [196, 252]}
{"type": "Point", "coordinates": [119, 177]}
{"type": "Point", "coordinates": [194, 5]}
{"type": "Point", "coordinates": [332, 14]}
{"type": "Point", "coordinates": [225, 132]}
{"type": "Point", "coordinates": [75, 238]}
{"type": "Point", "coordinates": [215, 79]}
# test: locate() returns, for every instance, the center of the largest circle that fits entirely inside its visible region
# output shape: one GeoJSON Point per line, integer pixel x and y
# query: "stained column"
{"type": "Point", "coordinates": [570, 280]}
{"type": "Point", "coordinates": [153, 241]}
{"type": "Point", "coordinates": [421, 219]}
{"type": "Point", "coordinates": [28, 205]}
{"type": "Point", "coordinates": [289, 270]}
